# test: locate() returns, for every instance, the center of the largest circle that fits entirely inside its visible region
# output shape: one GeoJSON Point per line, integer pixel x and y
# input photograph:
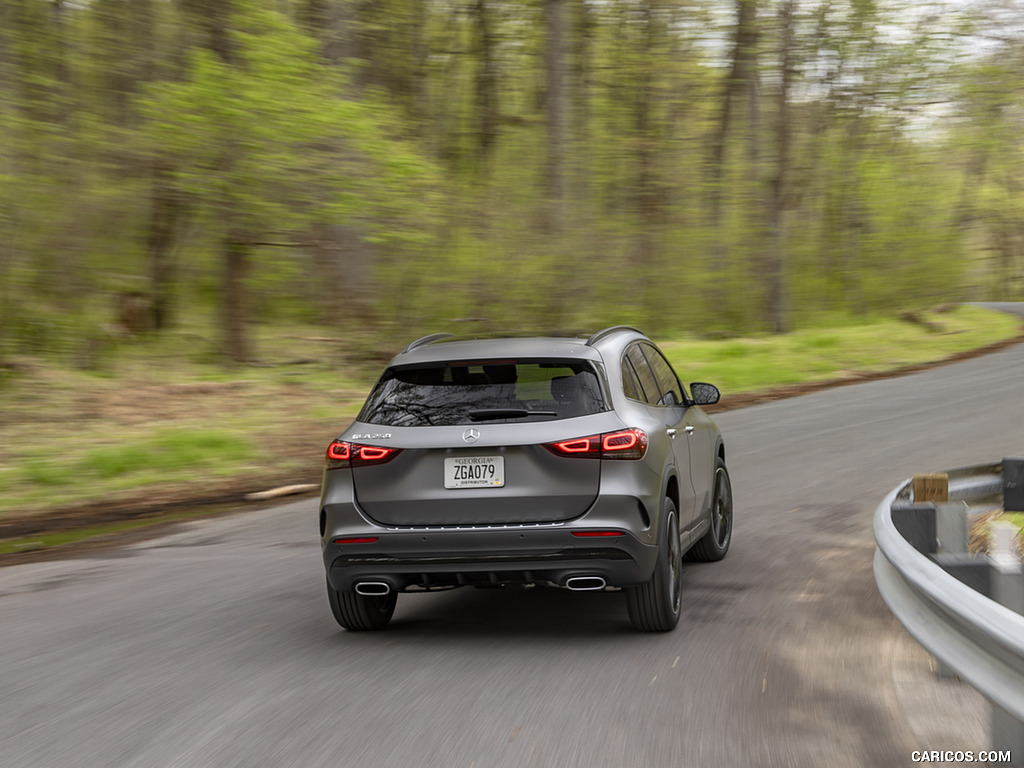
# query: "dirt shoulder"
{"type": "Point", "coordinates": [165, 507]}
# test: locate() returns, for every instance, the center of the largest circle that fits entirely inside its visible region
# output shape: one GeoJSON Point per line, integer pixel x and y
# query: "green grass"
{"type": "Point", "coordinates": [171, 450]}
{"type": "Point", "coordinates": [168, 453]}
{"type": "Point", "coordinates": [1016, 518]}
{"type": "Point", "coordinates": [750, 364]}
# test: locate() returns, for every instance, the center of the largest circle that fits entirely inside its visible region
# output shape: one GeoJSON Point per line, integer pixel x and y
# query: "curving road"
{"type": "Point", "coordinates": [215, 646]}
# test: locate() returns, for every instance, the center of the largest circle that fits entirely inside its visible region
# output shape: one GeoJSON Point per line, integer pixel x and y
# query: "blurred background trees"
{"type": "Point", "coordinates": [392, 166]}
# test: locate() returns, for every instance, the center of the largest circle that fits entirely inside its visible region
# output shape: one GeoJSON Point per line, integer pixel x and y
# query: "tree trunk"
{"type": "Point", "coordinates": [234, 300]}
{"type": "Point", "coordinates": [583, 45]}
{"type": "Point", "coordinates": [554, 105]}
{"type": "Point", "coordinates": [330, 22]}
{"type": "Point", "coordinates": [165, 214]}
{"type": "Point", "coordinates": [738, 107]}
{"type": "Point", "coordinates": [740, 84]}
{"type": "Point", "coordinates": [486, 87]}
{"type": "Point", "coordinates": [853, 219]}
{"type": "Point", "coordinates": [648, 200]}
{"type": "Point", "coordinates": [342, 262]}
{"type": "Point", "coordinates": [776, 310]}
{"type": "Point", "coordinates": [213, 18]}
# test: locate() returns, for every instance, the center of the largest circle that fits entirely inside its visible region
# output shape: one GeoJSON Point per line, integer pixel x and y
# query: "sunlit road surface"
{"type": "Point", "coordinates": [216, 647]}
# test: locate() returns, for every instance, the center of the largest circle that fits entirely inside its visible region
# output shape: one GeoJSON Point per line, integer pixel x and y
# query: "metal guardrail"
{"type": "Point", "coordinates": [980, 640]}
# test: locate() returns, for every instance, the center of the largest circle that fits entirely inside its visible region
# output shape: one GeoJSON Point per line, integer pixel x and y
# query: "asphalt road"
{"type": "Point", "coordinates": [215, 646]}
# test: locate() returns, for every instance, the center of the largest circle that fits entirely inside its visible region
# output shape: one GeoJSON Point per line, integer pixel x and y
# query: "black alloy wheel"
{"type": "Point", "coordinates": [715, 543]}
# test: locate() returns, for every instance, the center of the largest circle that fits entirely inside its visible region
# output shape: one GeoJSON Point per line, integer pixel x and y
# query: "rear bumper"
{"type": "Point", "coordinates": [456, 558]}
{"type": "Point", "coordinates": [407, 558]}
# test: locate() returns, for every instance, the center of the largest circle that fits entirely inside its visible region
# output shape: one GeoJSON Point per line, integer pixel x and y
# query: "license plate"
{"type": "Point", "coordinates": [474, 472]}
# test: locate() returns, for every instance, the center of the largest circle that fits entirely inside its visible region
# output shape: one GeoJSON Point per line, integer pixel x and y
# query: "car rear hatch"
{"type": "Point", "coordinates": [471, 439]}
{"type": "Point", "coordinates": [484, 485]}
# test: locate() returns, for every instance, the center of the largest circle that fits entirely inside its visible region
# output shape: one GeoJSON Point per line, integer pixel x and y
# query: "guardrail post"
{"type": "Point", "coordinates": [1007, 590]}
{"type": "Point", "coordinates": [972, 570]}
{"type": "Point", "coordinates": [951, 541]}
{"type": "Point", "coordinates": [951, 528]}
{"type": "Point", "coordinates": [1007, 581]}
{"type": "Point", "coordinates": [1013, 485]}
{"type": "Point", "coordinates": [916, 523]}
{"type": "Point", "coordinates": [1007, 732]}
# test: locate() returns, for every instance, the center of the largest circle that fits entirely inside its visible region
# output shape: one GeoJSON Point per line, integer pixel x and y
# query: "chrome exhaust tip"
{"type": "Point", "coordinates": [585, 583]}
{"type": "Point", "coordinates": [372, 588]}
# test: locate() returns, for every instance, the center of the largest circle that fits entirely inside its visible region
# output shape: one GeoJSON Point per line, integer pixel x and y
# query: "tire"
{"type": "Point", "coordinates": [654, 606]}
{"type": "Point", "coordinates": [361, 612]}
{"type": "Point", "coordinates": [714, 544]}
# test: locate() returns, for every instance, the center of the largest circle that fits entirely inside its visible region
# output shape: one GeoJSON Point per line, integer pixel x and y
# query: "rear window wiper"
{"type": "Point", "coordinates": [485, 414]}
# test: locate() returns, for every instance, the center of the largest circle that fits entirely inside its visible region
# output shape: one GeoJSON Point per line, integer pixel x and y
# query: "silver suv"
{"type": "Point", "coordinates": [570, 462]}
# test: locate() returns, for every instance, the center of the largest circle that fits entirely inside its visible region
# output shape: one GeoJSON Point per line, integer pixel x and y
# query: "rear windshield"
{"type": "Point", "coordinates": [507, 391]}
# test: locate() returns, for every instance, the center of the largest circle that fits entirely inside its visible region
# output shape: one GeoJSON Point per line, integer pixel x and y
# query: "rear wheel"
{"type": "Point", "coordinates": [361, 612]}
{"type": "Point", "coordinates": [715, 543]}
{"type": "Point", "coordinates": [654, 606]}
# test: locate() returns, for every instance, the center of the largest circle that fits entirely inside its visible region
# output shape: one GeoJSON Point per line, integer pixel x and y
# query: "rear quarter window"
{"type": "Point", "coordinates": [648, 385]}
{"type": "Point", "coordinates": [629, 385]}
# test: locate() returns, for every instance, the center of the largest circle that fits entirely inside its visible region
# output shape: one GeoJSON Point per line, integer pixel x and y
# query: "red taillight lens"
{"type": "Point", "coordinates": [339, 451]}
{"type": "Point", "coordinates": [341, 454]}
{"type": "Point", "coordinates": [624, 444]}
{"type": "Point", "coordinates": [622, 441]}
{"type": "Point", "coordinates": [374, 453]}
{"type": "Point", "coordinates": [581, 445]}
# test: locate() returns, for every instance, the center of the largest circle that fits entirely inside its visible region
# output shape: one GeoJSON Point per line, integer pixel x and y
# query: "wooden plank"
{"type": "Point", "coordinates": [933, 487]}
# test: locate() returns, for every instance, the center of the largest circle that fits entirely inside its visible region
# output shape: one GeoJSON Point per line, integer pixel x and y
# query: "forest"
{"type": "Point", "coordinates": [395, 167]}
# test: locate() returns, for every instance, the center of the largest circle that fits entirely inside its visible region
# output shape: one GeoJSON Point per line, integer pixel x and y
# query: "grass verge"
{"type": "Point", "coordinates": [747, 364]}
{"type": "Point", "coordinates": [165, 422]}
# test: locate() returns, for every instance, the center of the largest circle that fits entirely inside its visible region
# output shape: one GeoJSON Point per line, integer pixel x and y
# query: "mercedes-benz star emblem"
{"type": "Point", "coordinates": [470, 435]}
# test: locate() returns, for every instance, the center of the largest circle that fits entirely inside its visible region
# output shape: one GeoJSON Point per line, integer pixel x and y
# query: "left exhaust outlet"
{"type": "Point", "coordinates": [585, 583]}
{"type": "Point", "coordinates": [372, 588]}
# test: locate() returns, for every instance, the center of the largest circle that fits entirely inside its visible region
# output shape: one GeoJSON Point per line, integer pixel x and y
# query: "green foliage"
{"type": "Point", "coordinates": [267, 142]}
{"type": "Point", "coordinates": [426, 162]}
{"type": "Point", "coordinates": [164, 456]}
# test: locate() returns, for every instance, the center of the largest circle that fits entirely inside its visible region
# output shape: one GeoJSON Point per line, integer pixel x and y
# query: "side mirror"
{"type": "Point", "coordinates": [704, 394]}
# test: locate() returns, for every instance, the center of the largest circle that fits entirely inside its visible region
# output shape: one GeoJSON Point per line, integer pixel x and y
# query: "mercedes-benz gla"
{"type": "Point", "coordinates": [580, 463]}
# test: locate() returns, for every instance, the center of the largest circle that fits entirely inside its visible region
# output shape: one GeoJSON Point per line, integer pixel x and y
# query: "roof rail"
{"type": "Point", "coordinates": [608, 331]}
{"type": "Point", "coordinates": [426, 340]}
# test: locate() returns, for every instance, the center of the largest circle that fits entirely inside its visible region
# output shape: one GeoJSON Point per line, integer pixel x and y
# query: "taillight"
{"type": "Point", "coordinates": [629, 440]}
{"type": "Point", "coordinates": [341, 454]}
{"type": "Point", "coordinates": [339, 451]}
{"type": "Point", "coordinates": [624, 444]}
{"type": "Point", "coordinates": [579, 447]}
